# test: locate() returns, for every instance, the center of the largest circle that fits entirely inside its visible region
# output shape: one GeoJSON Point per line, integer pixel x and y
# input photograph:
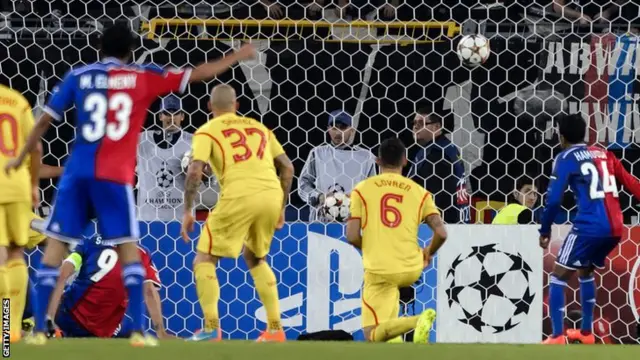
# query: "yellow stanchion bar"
{"type": "Point", "coordinates": [284, 28]}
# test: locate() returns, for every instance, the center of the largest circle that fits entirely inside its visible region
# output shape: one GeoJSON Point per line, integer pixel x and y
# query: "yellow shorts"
{"type": "Point", "coordinates": [249, 221]}
{"type": "Point", "coordinates": [35, 238]}
{"type": "Point", "coordinates": [381, 296]}
{"type": "Point", "coordinates": [14, 223]}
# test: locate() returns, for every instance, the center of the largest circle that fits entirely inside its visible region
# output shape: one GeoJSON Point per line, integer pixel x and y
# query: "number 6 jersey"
{"type": "Point", "coordinates": [592, 174]}
{"type": "Point", "coordinates": [111, 101]}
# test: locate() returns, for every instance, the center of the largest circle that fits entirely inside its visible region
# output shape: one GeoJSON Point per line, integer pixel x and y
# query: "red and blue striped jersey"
{"type": "Point", "coordinates": [593, 175]}
{"type": "Point", "coordinates": [111, 100]}
{"type": "Point", "coordinates": [97, 298]}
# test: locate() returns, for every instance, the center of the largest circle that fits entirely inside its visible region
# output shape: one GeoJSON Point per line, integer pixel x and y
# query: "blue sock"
{"type": "Point", "coordinates": [556, 305]}
{"type": "Point", "coordinates": [588, 303]}
{"type": "Point", "coordinates": [133, 276]}
{"type": "Point", "coordinates": [47, 277]}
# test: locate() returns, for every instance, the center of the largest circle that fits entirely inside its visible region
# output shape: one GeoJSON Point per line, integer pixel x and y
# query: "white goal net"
{"type": "Point", "coordinates": [373, 65]}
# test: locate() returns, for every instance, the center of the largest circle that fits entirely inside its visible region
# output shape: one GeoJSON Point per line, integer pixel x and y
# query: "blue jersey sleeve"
{"type": "Point", "coordinates": [555, 193]}
{"type": "Point", "coordinates": [62, 98]}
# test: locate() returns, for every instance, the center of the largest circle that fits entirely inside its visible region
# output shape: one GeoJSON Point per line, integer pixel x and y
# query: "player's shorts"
{"type": "Point", "coordinates": [35, 236]}
{"type": "Point", "coordinates": [580, 251]}
{"type": "Point", "coordinates": [249, 221]}
{"type": "Point", "coordinates": [77, 200]}
{"type": "Point", "coordinates": [381, 296]}
{"type": "Point", "coordinates": [14, 223]}
{"type": "Point", "coordinates": [69, 326]}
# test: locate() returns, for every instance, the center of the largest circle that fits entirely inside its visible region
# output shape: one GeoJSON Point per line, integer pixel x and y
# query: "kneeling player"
{"type": "Point", "coordinates": [389, 208]}
{"type": "Point", "coordinates": [95, 302]}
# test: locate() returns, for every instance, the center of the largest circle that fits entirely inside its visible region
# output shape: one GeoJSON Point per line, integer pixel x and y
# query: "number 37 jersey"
{"type": "Point", "coordinates": [241, 152]}
{"type": "Point", "coordinates": [111, 100]}
{"type": "Point", "coordinates": [593, 175]}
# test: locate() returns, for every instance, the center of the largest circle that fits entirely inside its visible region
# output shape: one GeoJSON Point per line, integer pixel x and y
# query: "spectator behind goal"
{"type": "Point", "coordinates": [520, 204]}
{"type": "Point", "coordinates": [334, 166]}
{"type": "Point", "coordinates": [160, 173]}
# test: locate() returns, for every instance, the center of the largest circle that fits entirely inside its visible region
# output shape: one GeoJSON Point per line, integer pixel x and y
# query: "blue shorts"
{"type": "Point", "coordinates": [581, 252]}
{"type": "Point", "coordinates": [79, 200]}
{"type": "Point", "coordinates": [70, 328]}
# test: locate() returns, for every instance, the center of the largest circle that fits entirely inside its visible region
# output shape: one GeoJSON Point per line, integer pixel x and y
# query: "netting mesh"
{"type": "Point", "coordinates": [379, 62]}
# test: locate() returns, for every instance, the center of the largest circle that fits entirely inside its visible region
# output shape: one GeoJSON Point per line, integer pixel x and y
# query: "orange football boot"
{"type": "Point", "coordinates": [575, 335]}
{"type": "Point", "coordinates": [14, 337]}
{"type": "Point", "coordinates": [558, 340]}
{"type": "Point", "coordinates": [272, 336]}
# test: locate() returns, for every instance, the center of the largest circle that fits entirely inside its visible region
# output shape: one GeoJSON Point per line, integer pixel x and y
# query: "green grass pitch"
{"type": "Point", "coordinates": [96, 349]}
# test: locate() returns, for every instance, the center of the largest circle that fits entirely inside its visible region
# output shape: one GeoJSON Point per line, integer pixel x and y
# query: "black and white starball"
{"type": "Point", "coordinates": [488, 289]}
{"type": "Point", "coordinates": [164, 177]}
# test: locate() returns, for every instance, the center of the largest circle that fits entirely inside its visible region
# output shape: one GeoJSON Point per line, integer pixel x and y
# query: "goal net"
{"type": "Point", "coordinates": [379, 63]}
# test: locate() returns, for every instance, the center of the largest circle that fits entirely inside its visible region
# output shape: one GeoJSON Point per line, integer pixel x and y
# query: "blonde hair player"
{"type": "Point", "coordinates": [386, 212]}
{"type": "Point", "coordinates": [244, 155]}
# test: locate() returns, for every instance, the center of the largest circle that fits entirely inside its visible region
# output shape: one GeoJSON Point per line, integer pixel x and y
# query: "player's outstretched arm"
{"type": "Point", "coordinates": [50, 172]}
{"type": "Point", "coordinates": [285, 173]}
{"type": "Point", "coordinates": [154, 307]}
{"type": "Point", "coordinates": [32, 143]}
{"type": "Point", "coordinates": [555, 194]}
{"type": "Point", "coordinates": [34, 170]}
{"type": "Point", "coordinates": [191, 185]}
{"type": "Point", "coordinates": [209, 70]}
{"type": "Point", "coordinates": [67, 269]}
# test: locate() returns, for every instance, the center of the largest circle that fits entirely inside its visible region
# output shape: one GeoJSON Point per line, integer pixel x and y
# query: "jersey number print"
{"type": "Point", "coordinates": [390, 215]}
{"type": "Point", "coordinates": [243, 151]}
{"type": "Point", "coordinates": [98, 105]}
{"type": "Point", "coordinates": [608, 181]}
{"type": "Point", "coordinates": [8, 135]}
{"type": "Point", "coordinates": [106, 262]}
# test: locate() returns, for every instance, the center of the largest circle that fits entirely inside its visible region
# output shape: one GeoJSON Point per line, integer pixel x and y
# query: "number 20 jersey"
{"type": "Point", "coordinates": [97, 299]}
{"type": "Point", "coordinates": [241, 152]}
{"type": "Point", "coordinates": [111, 101]}
{"type": "Point", "coordinates": [593, 175]}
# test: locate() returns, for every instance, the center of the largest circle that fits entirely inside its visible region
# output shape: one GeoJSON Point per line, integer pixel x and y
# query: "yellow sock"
{"type": "Point", "coordinates": [393, 328]}
{"type": "Point", "coordinates": [208, 290]}
{"type": "Point", "coordinates": [19, 275]}
{"type": "Point", "coordinates": [267, 288]}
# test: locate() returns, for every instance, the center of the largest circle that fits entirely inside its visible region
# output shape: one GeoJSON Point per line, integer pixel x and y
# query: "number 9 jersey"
{"type": "Point", "coordinates": [391, 208]}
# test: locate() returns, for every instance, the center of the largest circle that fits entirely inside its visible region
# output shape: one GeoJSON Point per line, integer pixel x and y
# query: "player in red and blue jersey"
{"type": "Point", "coordinates": [111, 99]}
{"type": "Point", "coordinates": [95, 302]}
{"type": "Point", "coordinates": [592, 173]}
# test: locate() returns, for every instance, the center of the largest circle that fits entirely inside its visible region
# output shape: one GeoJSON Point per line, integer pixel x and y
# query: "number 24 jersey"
{"type": "Point", "coordinates": [391, 208]}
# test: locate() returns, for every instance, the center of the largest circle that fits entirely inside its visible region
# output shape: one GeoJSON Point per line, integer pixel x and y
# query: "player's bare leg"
{"type": "Point", "coordinates": [208, 288]}
{"type": "Point", "coordinates": [47, 277]}
{"type": "Point", "coordinates": [557, 286]}
{"type": "Point", "coordinates": [584, 335]}
{"type": "Point", "coordinates": [133, 274]}
{"type": "Point", "coordinates": [19, 274]}
{"type": "Point", "coordinates": [267, 288]}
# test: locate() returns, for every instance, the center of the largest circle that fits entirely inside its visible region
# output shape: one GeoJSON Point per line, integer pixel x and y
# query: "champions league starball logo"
{"type": "Point", "coordinates": [164, 177]}
{"type": "Point", "coordinates": [489, 289]}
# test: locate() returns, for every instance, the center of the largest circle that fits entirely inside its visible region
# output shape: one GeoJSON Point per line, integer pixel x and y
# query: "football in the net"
{"type": "Point", "coordinates": [473, 50]}
{"type": "Point", "coordinates": [336, 207]}
{"type": "Point", "coordinates": [186, 161]}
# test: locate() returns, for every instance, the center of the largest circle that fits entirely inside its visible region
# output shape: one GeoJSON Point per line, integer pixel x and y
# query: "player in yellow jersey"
{"type": "Point", "coordinates": [255, 179]}
{"type": "Point", "coordinates": [18, 196]}
{"type": "Point", "coordinates": [386, 211]}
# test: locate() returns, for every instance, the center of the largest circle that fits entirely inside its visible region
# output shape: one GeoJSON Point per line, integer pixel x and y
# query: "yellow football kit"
{"type": "Point", "coordinates": [16, 122]}
{"type": "Point", "coordinates": [391, 208]}
{"type": "Point", "coordinates": [241, 153]}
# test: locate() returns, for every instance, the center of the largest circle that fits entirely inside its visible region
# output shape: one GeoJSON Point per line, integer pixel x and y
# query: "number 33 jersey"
{"type": "Point", "coordinates": [111, 100]}
{"type": "Point", "coordinates": [96, 298]}
{"type": "Point", "coordinates": [593, 175]}
{"type": "Point", "coordinates": [241, 152]}
{"type": "Point", "coordinates": [391, 208]}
